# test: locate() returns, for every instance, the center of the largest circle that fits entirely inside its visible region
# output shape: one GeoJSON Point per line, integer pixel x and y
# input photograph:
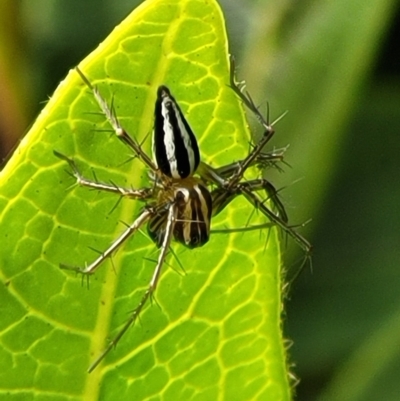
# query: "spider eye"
{"type": "Point", "coordinates": [175, 148]}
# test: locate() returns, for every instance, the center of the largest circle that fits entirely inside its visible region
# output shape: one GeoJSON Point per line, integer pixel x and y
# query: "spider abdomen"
{"type": "Point", "coordinates": [175, 147]}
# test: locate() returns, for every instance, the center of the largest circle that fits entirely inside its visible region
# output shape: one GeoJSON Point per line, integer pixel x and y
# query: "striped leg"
{"type": "Point", "coordinates": [119, 131]}
{"type": "Point", "coordinates": [134, 227]}
{"type": "Point", "coordinates": [169, 229]}
{"type": "Point", "coordinates": [141, 194]}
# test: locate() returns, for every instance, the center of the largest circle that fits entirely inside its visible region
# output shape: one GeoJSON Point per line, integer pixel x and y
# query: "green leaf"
{"type": "Point", "coordinates": [214, 330]}
{"type": "Point", "coordinates": [312, 60]}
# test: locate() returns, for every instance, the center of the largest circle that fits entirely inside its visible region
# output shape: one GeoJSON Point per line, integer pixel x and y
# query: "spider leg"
{"type": "Point", "coordinates": [250, 159]}
{"type": "Point", "coordinates": [236, 187]}
{"type": "Point", "coordinates": [135, 226]}
{"type": "Point", "coordinates": [220, 174]}
{"type": "Point", "coordinates": [224, 194]}
{"type": "Point", "coordinates": [172, 213]}
{"type": "Point", "coordinates": [222, 198]}
{"type": "Point", "coordinates": [252, 197]}
{"type": "Point", "coordinates": [245, 97]}
{"type": "Point", "coordinates": [112, 118]}
{"type": "Point", "coordinates": [263, 184]}
{"type": "Point", "coordinates": [242, 229]}
{"type": "Point", "coordinates": [141, 194]}
{"type": "Point", "coordinates": [269, 131]}
{"type": "Point", "coordinates": [263, 160]}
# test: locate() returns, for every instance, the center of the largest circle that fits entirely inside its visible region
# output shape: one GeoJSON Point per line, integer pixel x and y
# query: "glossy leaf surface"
{"type": "Point", "coordinates": [213, 330]}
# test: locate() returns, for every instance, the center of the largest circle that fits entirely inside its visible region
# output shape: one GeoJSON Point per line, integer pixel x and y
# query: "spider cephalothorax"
{"type": "Point", "coordinates": [185, 192]}
{"type": "Point", "coordinates": [193, 204]}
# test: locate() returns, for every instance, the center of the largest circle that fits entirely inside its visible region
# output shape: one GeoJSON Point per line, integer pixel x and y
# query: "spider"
{"type": "Point", "coordinates": [185, 193]}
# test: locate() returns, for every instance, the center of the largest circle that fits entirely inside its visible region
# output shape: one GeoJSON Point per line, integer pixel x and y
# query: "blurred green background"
{"type": "Point", "coordinates": [335, 65]}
